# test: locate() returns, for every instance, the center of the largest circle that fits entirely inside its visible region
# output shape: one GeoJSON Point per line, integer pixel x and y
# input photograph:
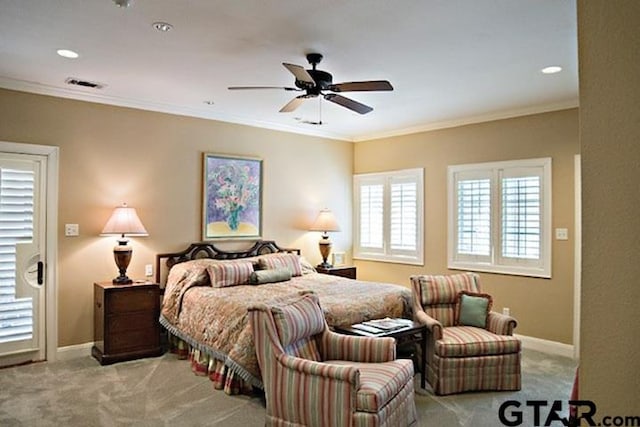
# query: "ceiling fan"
{"type": "Point", "coordinates": [314, 82]}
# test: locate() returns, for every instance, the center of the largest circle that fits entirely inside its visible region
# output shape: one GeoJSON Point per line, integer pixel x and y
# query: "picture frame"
{"type": "Point", "coordinates": [337, 259]}
{"type": "Point", "coordinates": [231, 197]}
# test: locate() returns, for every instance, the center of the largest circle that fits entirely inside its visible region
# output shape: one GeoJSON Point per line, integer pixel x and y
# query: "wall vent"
{"type": "Point", "coordinates": [83, 83]}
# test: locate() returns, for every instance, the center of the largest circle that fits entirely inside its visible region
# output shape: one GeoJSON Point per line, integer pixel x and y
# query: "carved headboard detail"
{"type": "Point", "coordinates": [209, 250]}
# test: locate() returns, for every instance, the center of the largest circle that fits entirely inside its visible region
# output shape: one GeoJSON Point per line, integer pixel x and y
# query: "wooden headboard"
{"type": "Point", "coordinates": [209, 250]}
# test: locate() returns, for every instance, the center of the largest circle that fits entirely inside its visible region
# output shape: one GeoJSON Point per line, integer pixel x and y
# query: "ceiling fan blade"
{"type": "Point", "coordinates": [348, 103]}
{"type": "Point", "coordinates": [262, 87]}
{"type": "Point", "coordinates": [361, 86]}
{"type": "Point", "coordinates": [300, 73]}
{"type": "Point", "coordinates": [293, 104]}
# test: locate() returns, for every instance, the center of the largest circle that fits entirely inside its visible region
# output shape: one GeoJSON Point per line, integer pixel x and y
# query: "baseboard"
{"type": "Point", "coordinates": [74, 351]}
{"type": "Point", "coordinates": [546, 346]}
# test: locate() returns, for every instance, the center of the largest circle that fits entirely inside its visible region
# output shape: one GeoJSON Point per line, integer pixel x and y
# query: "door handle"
{"type": "Point", "coordinates": [40, 272]}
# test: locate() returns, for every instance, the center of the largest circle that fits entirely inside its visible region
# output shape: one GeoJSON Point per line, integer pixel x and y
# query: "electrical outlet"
{"type": "Point", "coordinates": [148, 270]}
{"type": "Point", "coordinates": [506, 311]}
{"type": "Point", "coordinates": [71, 230]}
{"type": "Point", "coordinates": [562, 234]}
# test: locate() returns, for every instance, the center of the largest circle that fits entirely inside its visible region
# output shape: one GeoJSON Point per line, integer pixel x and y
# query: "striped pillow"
{"type": "Point", "coordinates": [281, 260]}
{"type": "Point", "coordinates": [301, 319]}
{"type": "Point", "coordinates": [225, 274]}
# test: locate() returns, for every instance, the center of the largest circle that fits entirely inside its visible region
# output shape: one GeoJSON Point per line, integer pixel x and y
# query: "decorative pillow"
{"type": "Point", "coordinates": [270, 276]}
{"type": "Point", "coordinates": [281, 260]}
{"type": "Point", "coordinates": [225, 274]}
{"type": "Point", "coordinates": [472, 309]}
{"type": "Point", "coordinates": [300, 319]}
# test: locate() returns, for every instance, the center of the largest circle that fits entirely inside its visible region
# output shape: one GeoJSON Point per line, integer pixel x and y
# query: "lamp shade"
{"type": "Point", "coordinates": [326, 221]}
{"type": "Point", "coordinates": [124, 221]}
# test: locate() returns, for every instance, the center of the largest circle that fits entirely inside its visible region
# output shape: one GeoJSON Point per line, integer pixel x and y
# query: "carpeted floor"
{"type": "Point", "coordinates": [163, 392]}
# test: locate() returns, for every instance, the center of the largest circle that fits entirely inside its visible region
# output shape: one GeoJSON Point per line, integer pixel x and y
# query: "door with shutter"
{"type": "Point", "coordinates": [22, 252]}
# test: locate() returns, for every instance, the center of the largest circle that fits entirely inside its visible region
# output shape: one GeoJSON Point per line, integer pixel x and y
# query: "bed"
{"type": "Point", "coordinates": [206, 299]}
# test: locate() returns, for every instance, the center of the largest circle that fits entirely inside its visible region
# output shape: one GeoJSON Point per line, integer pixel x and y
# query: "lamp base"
{"type": "Point", "coordinates": [122, 255]}
{"type": "Point", "coordinates": [122, 280]}
{"type": "Point", "coordinates": [324, 265]}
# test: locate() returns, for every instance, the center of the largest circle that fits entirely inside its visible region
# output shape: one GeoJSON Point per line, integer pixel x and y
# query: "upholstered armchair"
{"type": "Point", "coordinates": [469, 347]}
{"type": "Point", "coordinates": [317, 378]}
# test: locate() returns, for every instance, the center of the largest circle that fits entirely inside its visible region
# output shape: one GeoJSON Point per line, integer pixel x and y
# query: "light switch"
{"type": "Point", "coordinates": [148, 270]}
{"type": "Point", "coordinates": [562, 234]}
{"type": "Point", "coordinates": [71, 230]}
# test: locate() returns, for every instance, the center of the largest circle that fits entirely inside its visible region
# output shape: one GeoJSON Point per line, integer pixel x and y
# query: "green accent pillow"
{"type": "Point", "coordinates": [260, 277]}
{"type": "Point", "coordinates": [473, 309]}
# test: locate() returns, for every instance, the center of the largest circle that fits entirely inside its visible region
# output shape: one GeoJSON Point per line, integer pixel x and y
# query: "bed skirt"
{"type": "Point", "coordinates": [225, 374]}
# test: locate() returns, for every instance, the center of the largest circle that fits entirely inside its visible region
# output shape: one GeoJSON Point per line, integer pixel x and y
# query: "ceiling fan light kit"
{"type": "Point", "coordinates": [314, 82]}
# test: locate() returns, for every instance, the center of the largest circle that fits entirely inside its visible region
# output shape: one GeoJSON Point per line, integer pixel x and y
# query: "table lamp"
{"type": "Point", "coordinates": [125, 222]}
{"type": "Point", "coordinates": [325, 222]}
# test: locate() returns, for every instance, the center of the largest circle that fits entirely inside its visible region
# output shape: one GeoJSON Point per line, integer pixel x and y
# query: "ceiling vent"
{"type": "Point", "coordinates": [83, 83]}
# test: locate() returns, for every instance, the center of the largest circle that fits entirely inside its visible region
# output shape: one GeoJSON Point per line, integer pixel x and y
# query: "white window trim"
{"type": "Point", "coordinates": [386, 254]}
{"type": "Point", "coordinates": [492, 265]}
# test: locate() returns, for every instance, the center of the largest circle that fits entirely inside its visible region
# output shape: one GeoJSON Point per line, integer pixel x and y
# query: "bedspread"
{"type": "Point", "coordinates": [215, 320]}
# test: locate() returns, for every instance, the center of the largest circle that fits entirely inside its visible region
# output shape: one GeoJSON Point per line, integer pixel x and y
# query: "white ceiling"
{"type": "Point", "coordinates": [450, 62]}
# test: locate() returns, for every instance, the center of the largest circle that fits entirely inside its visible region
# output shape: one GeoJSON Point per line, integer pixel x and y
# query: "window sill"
{"type": "Point", "coordinates": [506, 270]}
{"type": "Point", "coordinates": [394, 260]}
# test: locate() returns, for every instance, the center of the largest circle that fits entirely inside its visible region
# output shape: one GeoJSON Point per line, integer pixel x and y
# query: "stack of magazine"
{"type": "Point", "coordinates": [379, 326]}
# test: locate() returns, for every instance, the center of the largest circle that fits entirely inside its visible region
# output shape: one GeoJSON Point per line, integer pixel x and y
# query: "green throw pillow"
{"type": "Point", "coordinates": [270, 276]}
{"type": "Point", "coordinates": [474, 310]}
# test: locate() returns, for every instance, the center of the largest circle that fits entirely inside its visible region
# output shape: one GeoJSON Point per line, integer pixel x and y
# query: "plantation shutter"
{"type": "Point", "coordinates": [521, 215]}
{"type": "Point", "coordinates": [372, 215]}
{"type": "Point", "coordinates": [474, 217]}
{"type": "Point", "coordinates": [16, 225]}
{"type": "Point", "coordinates": [404, 214]}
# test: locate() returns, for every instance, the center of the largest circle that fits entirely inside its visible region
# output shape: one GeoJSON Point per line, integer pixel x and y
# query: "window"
{"type": "Point", "coordinates": [500, 217]}
{"type": "Point", "coordinates": [388, 216]}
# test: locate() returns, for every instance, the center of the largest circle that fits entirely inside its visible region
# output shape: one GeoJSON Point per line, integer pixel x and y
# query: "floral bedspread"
{"type": "Point", "coordinates": [215, 320]}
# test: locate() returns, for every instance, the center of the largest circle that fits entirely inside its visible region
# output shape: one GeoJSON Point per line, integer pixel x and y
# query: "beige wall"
{"type": "Point", "coordinates": [153, 161]}
{"type": "Point", "coordinates": [544, 308]}
{"type": "Point", "coordinates": [609, 51]}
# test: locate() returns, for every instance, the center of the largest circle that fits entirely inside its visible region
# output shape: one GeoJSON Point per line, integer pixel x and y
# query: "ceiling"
{"type": "Point", "coordinates": [450, 62]}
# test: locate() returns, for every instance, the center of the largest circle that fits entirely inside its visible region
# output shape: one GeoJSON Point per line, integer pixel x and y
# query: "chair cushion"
{"type": "Point", "coordinates": [379, 382]}
{"type": "Point", "coordinates": [444, 289]}
{"type": "Point", "coordinates": [465, 341]}
{"type": "Point", "coordinates": [300, 319]}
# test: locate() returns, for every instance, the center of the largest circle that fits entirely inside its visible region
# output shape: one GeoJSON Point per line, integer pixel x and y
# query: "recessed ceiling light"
{"type": "Point", "coordinates": [162, 26]}
{"type": "Point", "coordinates": [66, 53]}
{"type": "Point", "coordinates": [551, 70]}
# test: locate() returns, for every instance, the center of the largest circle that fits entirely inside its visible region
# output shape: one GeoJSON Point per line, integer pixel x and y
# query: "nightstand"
{"type": "Point", "coordinates": [125, 321]}
{"type": "Point", "coordinates": [348, 272]}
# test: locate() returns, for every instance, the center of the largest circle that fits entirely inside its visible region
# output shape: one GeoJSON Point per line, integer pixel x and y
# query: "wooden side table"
{"type": "Point", "coordinates": [415, 333]}
{"type": "Point", "coordinates": [126, 323]}
{"type": "Point", "coordinates": [348, 272]}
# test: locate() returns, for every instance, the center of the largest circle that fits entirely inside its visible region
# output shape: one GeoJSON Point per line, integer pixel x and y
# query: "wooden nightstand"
{"type": "Point", "coordinates": [348, 272]}
{"type": "Point", "coordinates": [125, 321]}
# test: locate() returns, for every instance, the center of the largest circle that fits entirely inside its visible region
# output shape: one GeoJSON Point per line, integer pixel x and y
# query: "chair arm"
{"type": "Point", "coordinates": [434, 326]}
{"type": "Point", "coordinates": [501, 324]}
{"type": "Point", "coordinates": [357, 349]}
{"type": "Point", "coordinates": [346, 373]}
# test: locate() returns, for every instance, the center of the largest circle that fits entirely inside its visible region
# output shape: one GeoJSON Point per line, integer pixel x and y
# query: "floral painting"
{"type": "Point", "coordinates": [232, 197]}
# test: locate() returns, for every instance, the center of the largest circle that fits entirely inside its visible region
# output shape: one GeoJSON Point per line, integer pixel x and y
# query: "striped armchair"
{"type": "Point", "coordinates": [462, 357]}
{"type": "Point", "coordinates": [316, 378]}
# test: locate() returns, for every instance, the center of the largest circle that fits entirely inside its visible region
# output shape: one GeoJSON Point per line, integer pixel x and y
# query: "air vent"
{"type": "Point", "coordinates": [83, 83]}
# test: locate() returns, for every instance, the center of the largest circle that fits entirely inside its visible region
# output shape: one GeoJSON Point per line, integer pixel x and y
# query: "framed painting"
{"type": "Point", "coordinates": [232, 197]}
